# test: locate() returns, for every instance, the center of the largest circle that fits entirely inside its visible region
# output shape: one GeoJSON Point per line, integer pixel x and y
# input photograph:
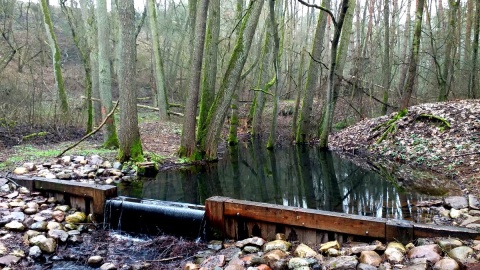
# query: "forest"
{"type": "Point", "coordinates": [223, 68]}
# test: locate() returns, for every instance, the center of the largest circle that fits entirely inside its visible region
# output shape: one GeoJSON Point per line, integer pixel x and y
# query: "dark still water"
{"type": "Point", "coordinates": [295, 176]}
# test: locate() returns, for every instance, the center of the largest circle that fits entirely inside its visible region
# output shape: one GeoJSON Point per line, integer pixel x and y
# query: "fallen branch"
{"type": "Point", "coordinates": [166, 259]}
{"type": "Point", "coordinates": [92, 132]}
{"type": "Point", "coordinates": [390, 125]}
{"type": "Point", "coordinates": [466, 154]}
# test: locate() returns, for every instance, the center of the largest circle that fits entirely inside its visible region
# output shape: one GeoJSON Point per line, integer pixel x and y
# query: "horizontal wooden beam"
{"type": "Point", "coordinates": [222, 213]}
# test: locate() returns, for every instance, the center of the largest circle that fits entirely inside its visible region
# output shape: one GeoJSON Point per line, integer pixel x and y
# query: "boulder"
{"type": "Point", "coordinates": [460, 254]}
{"type": "Point", "coordinates": [430, 252]}
{"type": "Point", "coordinates": [457, 202]}
{"type": "Point", "coordinates": [341, 263]}
{"type": "Point", "coordinates": [370, 257]}
{"type": "Point", "coordinates": [448, 244]}
{"type": "Point", "coordinates": [332, 244]}
{"type": "Point", "coordinates": [77, 217]}
{"type": "Point", "coordinates": [446, 264]}
{"type": "Point", "coordinates": [304, 251]}
{"type": "Point", "coordinates": [277, 244]}
{"type": "Point", "coordinates": [15, 226]}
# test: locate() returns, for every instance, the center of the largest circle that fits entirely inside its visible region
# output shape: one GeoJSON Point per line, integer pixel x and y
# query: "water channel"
{"type": "Point", "coordinates": [291, 175]}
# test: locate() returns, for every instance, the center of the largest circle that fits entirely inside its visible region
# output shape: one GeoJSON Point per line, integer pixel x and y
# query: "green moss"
{"type": "Point", "coordinates": [33, 135]}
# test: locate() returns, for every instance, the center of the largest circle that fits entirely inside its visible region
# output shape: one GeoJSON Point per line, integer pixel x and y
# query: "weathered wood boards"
{"type": "Point", "coordinates": [240, 219]}
{"type": "Point", "coordinates": [89, 198]}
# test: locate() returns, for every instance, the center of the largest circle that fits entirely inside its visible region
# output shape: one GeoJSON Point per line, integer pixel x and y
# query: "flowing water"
{"type": "Point", "coordinates": [294, 176]}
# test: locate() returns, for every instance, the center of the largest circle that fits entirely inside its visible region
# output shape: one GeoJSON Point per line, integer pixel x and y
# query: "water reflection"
{"type": "Point", "coordinates": [299, 176]}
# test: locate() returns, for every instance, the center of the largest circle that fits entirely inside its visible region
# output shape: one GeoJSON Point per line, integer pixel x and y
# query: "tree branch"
{"type": "Point", "coordinates": [93, 131]}
{"type": "Point", "coordinates": [321, 8]}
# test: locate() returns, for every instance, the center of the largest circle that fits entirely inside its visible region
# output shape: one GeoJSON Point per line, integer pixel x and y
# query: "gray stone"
{"type": "Point", "coordinates": [58, 234]}
{"type": "Point", "coordinates": [19, 203]}
{"type": "Point", "coordinates": [457, 202]}
{"type": "Point", "coordinates": [275, 255]}
{"type": "Point", "coordinates": [370, 257]}
{"type": "Point", "coordinates": [117, 165]}
{"type": "Point", "coordinates": [473, 202]}
{"type": "Point", "coordinates": [34, 252]}
{"type": "Point", "coordinates": [470, 220]}
{"type": "Point", "coordinates": [39, 226]}
{"type": "Point", "coordinates": [15, 226]}
{"type": "Point", "coordinates": [332, 252]}
{"type": "Point", "coordinates": [3, 249]}
{"type": "Point", "coordinates": [9, 260]}
{"type": "Point", "coordinates": [341, 263]}
{"type": "Point", "coordinates": [30, 211]}
{"type": "Point", "coordinates": [364, 266]}
{"type": "Point", "coordinates": [394, 255]}
{"type": "Point", "coordinates": [47, 245]}
{"type": "Point", "coordinates": [30, 166]}
{"type": "Point", "coordinates": [460, 254]}
{"type": "Point", "coordinates": [108, 266]}
{"type": "Point", "coordinates": [256, 241]}
{"type": "Point", "coordinates": [446, 264]}
{"type": "Point", "coordinates": [23, 190]}
{"type": "Point", "coordinates": [95, 260]}
{"type": "Point", "coordinates": [215, 245]}
{"type": "Point", "coordinates": [18, 216]}
{"type": "Point", "coordinates": [213, 261]}
{"type": "Point", "coordinates": [53, 225]}
{"type": "Point", "coordinates": [475, 213]}
{"type": "Point", "coordinates": [251, 249]}
{"type": "Point", "coordinates": [58, 215]}
{"type": "Point", "coordinates": [295, 263]}
{"type": "Point", "coordinates": [454, 213]}
{"type": "Point", "coordinates": [448, 244]}
{"type": "Point", "coordinates": [430, 252]}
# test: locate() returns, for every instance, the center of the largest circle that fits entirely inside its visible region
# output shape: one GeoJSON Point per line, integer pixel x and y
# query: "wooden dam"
{"type": "Point", "coordinates": [238, 219]}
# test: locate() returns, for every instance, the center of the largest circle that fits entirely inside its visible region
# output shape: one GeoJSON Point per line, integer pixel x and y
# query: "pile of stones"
{"type": "Point", "coordinates": [257, 254]}
{"type": "Point", "coordinates": [91, 169]}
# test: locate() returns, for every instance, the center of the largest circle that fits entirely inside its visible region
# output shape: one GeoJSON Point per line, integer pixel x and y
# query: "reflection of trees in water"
{"type": "Point", "coordinates": [299, 176]}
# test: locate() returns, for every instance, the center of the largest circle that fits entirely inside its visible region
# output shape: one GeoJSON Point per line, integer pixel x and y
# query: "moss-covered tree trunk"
{"type": "Point", "coordinates": [219, 109]}
{"type": "Point", "coordinates": [110, 139]}
{"type": "Point", "coordinates": [412, 67]}
{"type": "Point", "coordinates": [276, 66]}
{"type": "Point", "coordinates": [57, 70]}
{"type": "Point", "coordinates": [336, 55]}
{"type": "Point", "coordinates": [158, 61]}
{"type": "Point", "coordinates": [304, 122]}
{"type": "Point", "coordinates": [210, 65]}
{"type": "Point", "coordinates": [188, 142]}
{"type": "Point", "coordinates": [129, 135]}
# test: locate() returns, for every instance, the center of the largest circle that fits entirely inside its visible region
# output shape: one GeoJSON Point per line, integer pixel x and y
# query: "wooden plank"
{"type": "Point", "coordinates": [309, 218]}
{"type": "Point", "coordinates": [427, 230]}
{"type": "Point", "coordinates": [215, 217]}
{"type": "Point", "coordinates": [399, 230]}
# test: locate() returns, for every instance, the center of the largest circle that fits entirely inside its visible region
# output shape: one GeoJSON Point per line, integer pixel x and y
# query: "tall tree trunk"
{"type": "Point", "coordinates": [276, 65]}
{"type": "Point", "coordinates": [110, 138]}
{"type": "Point", "coordinates": [218, 112]}
{"type": "Point", "coordinates": [158, 61]}
{"type": "Point", "coordinates": [188, 141]}
{"type": "Point", "coordinates": [338, 58]}
{"type": "Point", "coordinates": [210, 66]}
{"type": "Point", "coordinates": [304, 122]}
{"type": "Point", "coordinates": [386, 56]}
{"type": "Point", "coordinates": [129, 135]}
{"type": "Point", "coordinates": [472, 83]}
{"type": "Point", "coordinates": [57, 70]}
{"type": "Point", "coordinates": [412, 67]}
{"type": "Point", "coordinates": [449, 51]}
{"type": "Point", "coordinates": [405, 64]}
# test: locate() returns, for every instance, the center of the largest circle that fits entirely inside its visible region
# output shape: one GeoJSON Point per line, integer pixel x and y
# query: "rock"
{"type": "Point", "coordinates": [256, 241]}
{"type": "Point", "coordinates": [47, 245]}
{"type": "Point", "coordinates": [77, 217]}
{"type": "Point", "coordinates": [266, 267]}
{"type": "Point", "coordinates": [430, 252]}
{"type": "Point", "coordinates": [31, 233]}
{"type": "Point", "coordinates": [16, 204]}
{"type": "Point", "coordinates": [460, 254]}
{"type": "Point", "coordinates": [108, 266]}
{"type": "Point", "coordinates": [3, 249]}
{"type": "Point", "coordinates": [470, 220]}
{"type": "Point", "coordinates": [34, 252]}
{"type": "Point", "coordinates": [275, 255]}
{"type": "Point", "coordinates": [277, 244]}
{"type": "Point", "coordinates": [446, 264]}
{"type": "Point", "coordinates": [417, 264]}
{"type": "Point", "coordinates": [30, 211]}
{"type": "Point", "coordinates": [15, 226]}
{"type": "Point", "coordinates": [58, 215]}
{"type": "Point", "coordinates": [394, 255]}
{"type": "Point", "coordinates": [448, 244]}
{"type": "Point", "coordinates": [58, 234]}
{"type": "Point", "coordinates": [95, 160]}
{"type": "Point", "coordinates": [18, 216]}
{"type": "Point", "coordinates": [454, 213]}
{"type": "Point", "coordinates": [332, 244]}
{"type": "Point", "coordinates": [356, 249]}
{"type": "Point", "coordinates": [296, 263]}
{"type": "Point", "coordinates": [251, 249]}
{"type": "Point", "coordinates": [9, 260]}
{"type": "Point", "coordinates": [399, 246]}
{"type": "Point", "coordinates": [20, 171]}
{"type": "Point", "coordinates": [95, 260]}
{"type": "Point", "coordinates": [304, 251]}
{"type": "Point", "coordinates": [370, 257]}
{"type": "Point", "coordinates": [475, 213]}
{"type": "Point", "coordinates": [215, 245]}
{"type": "Point", "coordinates": [457, 202]}
{"type": "Point", "coordinates": [66, 160]}
{"type": "Point", "coordinates": [53, 225]}
{"type": "Point", "coordinates": [473, 202]}
{"type": "Point", "coordinates": [213, 261]}
{"type": "Point", "coordinates": [364, 266]}
{"type": "Point", "coordinates": [23, 190]}
{"type": "Point", "coordinates": [192, 266]}
{"type": "Point", "coordinates": [30, 166]}
{"type": "Point", "coordinates": [332, 252]}
{"type": "Point", "coordinates": [341, 263]}
{"type": "Point", "coordinates": [39, 226]}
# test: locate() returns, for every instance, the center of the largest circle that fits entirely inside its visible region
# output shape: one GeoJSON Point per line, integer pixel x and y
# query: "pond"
{"type": "Point", "coordinates": [300, 176]}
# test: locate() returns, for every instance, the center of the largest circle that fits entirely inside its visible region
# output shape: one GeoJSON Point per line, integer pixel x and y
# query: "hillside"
{"type": "Point", "coordinates": [422, 142]}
